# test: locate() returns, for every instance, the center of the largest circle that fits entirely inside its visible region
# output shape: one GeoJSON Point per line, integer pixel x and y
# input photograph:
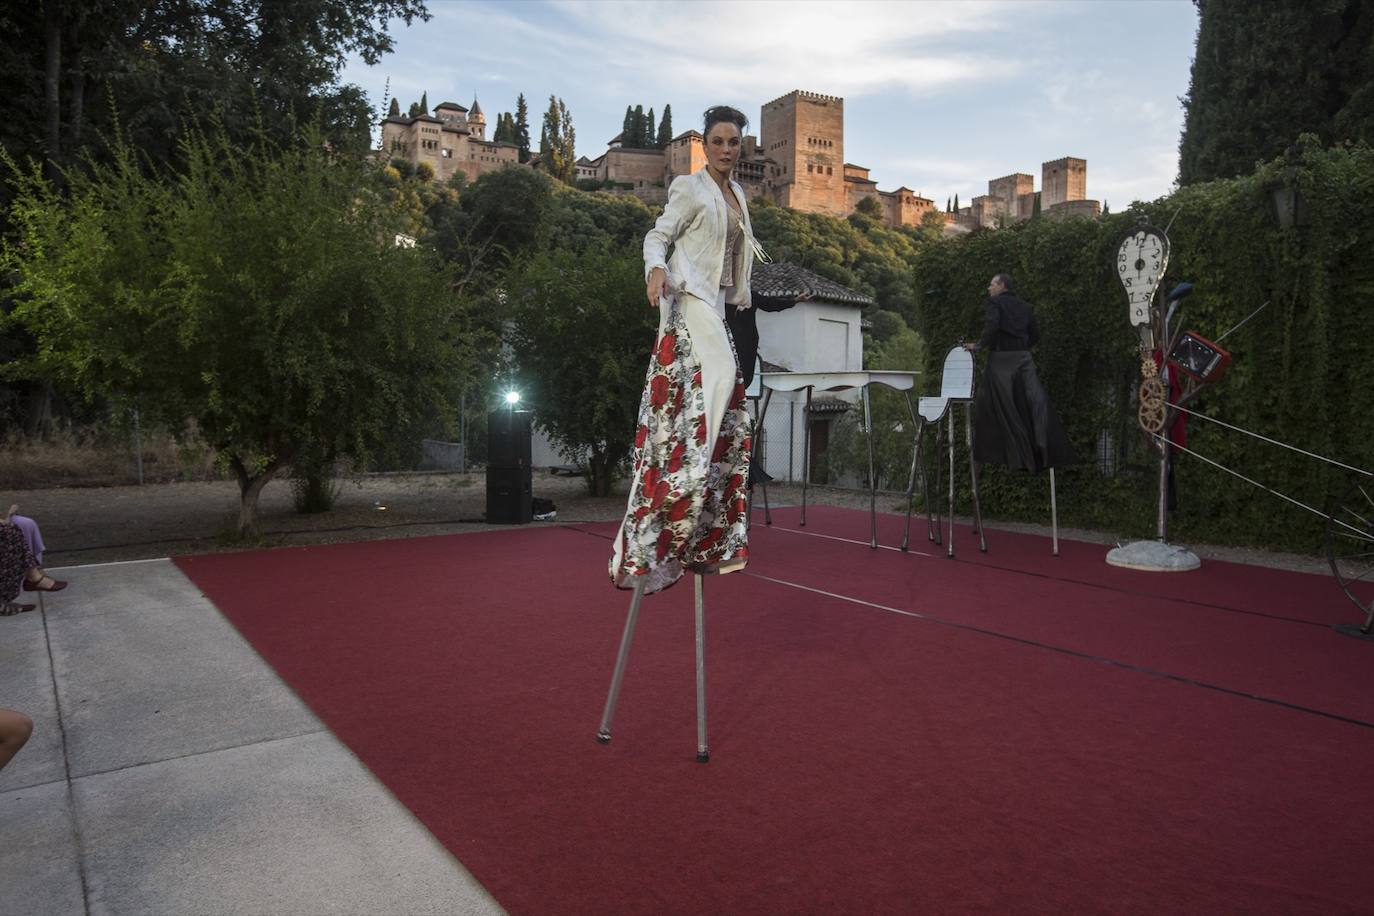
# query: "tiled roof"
{"type": "Point", "coordinates": [454, 105]}
{"type": "Point", "coordinates": [829, 405]}
{"type": "Point", "coordinates": [779, 286]}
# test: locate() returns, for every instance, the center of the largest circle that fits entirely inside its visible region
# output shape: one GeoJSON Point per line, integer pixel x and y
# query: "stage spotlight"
{"type": "Point", "coordinates": [512, 397]}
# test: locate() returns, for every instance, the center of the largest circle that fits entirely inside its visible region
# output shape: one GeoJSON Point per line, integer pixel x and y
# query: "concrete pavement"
{"type": "Point", "coordinates": [172, 772]}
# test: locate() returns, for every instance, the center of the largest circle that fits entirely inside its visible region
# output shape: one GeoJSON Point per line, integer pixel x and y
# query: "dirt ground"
{"type": "Point", "coordinates": [106, 524]}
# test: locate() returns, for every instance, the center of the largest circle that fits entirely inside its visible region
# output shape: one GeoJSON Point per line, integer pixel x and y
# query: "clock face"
{"type": "Point", "coordinates": [1140, 262]}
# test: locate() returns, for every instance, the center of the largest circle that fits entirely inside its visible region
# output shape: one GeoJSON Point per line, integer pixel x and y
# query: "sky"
{"type": "Point", "coordinates": [938, 96]}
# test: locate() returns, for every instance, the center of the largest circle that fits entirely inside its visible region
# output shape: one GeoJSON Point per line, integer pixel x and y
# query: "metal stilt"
{"type": "Point", "coordinates": [872, 478]}
{"type": "Point", "coordinates": [950, 544]}
{"type": "Point", "coordinates": [935, 527]}
{"type": "Point", "coordinates": [806, 454]}
{"type": "Point", "coordinates": [761, 414]}
{"type": "Point", "coordinates": [604, 733]}
{"type": "Point", "coordinates": [973, 474]}
{"type": "Point", "coordinates": [703, 752]}
{"type": "Point", "coordinates": [911, 480]}
{"type": "Point", "coordinates": [1054, 515]}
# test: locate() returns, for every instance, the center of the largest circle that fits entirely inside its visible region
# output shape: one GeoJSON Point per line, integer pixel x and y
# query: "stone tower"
{"type": "Point", "coordinates": [1016, 192]}
{"type": "Point", "coordinates": [803, 132]}
{"type": "Point", "coordinates": [477, 122]}
{"type": "Point", "coordinates": [1063, 180]}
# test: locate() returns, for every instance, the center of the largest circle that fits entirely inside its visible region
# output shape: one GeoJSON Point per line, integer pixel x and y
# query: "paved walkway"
{"type": "Point", "coordinates": [172, 772]}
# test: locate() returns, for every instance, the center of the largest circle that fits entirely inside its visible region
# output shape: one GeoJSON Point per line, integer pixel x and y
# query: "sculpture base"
{"type": "Point", "coordinates": [1153, 556]}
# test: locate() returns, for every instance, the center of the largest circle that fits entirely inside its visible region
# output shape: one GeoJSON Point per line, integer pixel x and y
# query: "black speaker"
{"type": "Point", "coordinates": [508, 439]}
{"type": "Point", "coordinates": [509, 496]}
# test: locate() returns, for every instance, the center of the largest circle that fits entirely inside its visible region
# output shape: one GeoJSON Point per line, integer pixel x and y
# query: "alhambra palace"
{"type": "Point", "coordinates": [797, 161]}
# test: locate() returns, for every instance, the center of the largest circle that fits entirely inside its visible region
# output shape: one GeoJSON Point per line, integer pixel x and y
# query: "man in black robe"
{"type": "Point", "coordinates": [1014, 422]}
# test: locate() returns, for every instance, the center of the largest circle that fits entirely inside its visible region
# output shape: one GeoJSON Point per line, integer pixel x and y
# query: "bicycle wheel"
{"type": "Point", "coordinates": [1350, 545]}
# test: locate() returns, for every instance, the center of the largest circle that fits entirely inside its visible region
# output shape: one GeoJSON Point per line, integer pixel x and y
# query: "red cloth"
{"type": "Point", "coordinates": [1178, 430]}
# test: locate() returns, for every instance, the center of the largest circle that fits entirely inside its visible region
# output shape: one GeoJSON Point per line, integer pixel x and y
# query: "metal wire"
{"type": "Point", "coordinates": [1291, 448]}
{"type": "Point", "coordinates": [1183, 448]}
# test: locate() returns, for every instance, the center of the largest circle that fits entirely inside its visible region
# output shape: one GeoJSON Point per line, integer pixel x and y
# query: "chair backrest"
{"type": "Point", "coordinates": [957, 380]}
{"type": "Point", "coordinates": [956, 384]}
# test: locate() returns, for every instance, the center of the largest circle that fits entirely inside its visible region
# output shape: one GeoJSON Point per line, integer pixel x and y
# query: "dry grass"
{"type": "Point", "coordinates": [94, 458]}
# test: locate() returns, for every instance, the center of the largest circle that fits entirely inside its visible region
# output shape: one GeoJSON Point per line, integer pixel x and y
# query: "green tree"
{"type": "Point", "coordinates": [627, 128]}
{"type": "Point", "coordinates": [257, 293]}
{"type": "Point", "coordinates": [582, 336]}
{"type": "Point", "coordinates": [932, 226]}
{"type": "Point", "coordinates": [1035, 207]}
{"type": "Point", "coordinates": [395, 110]}
{"type": "Point", "coordinates": [255, 62]}
{"type": "Point", "coordinates": [665, 128]}
{"type": "Point", "coordinates": [870, 206]}
{"type": "Point", "coordinates": [522, 128]}
{"type": "Point", "coordinates": [636, 138]}
{"type": "Point", "coordinates": [1263, 73]}
{"type": "Point", "coordinates": [507, 210]}
{"type": "Point", "coordinates": [956, 203]}
{"type": "Point", "coordinates": [557, 140]}
{"type": "Point", "coordinates": [649, 139]}
{"type": "Point", "coordinates": [414, 111]}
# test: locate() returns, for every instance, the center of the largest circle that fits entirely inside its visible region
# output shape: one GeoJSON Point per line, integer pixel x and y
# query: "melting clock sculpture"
{"type": "Point", "coordinates": [1188, 359]}
{"type": "Point", "coordinates": [1194, 362]}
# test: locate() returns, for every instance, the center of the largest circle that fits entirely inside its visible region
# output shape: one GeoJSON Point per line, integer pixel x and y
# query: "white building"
{"type": "Point", "coordinates": [806, 324]}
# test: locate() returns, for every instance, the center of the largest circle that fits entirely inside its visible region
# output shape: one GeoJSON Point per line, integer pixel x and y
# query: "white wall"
{"type": "Point", "coordinates": [809, 337]}
{"type": "Point", "coordinates": [812, 337]}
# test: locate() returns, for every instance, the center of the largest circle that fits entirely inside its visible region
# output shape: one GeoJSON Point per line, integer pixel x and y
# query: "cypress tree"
{"type": "Point", "coordinates": [637, 129]}
{"type": "Point", "coordinates": [1035, 208]}
{"type": "Point", "coordinates": [424, 103]}
{"type": "Point", "coordinates": [947, 205]}
{"type": "Point", "coordinates": [414, 109]}
{"type": "Point", "coordinates": [1265, 73]}
{"type": "Point", "coordinates": [395, 110]}
{"type": "Point", "coordinates": [521, 133]}
{"type": "Point", "coordinates": [956, 203]}
{"type": "Point", "coordinates": [649, 139]}
{"type": "Point", "coordinates": [567, 142]}
{"type": "Point", "coordinates": [627, 129]}
{"type": "Point", "coordinates": [665, 128]}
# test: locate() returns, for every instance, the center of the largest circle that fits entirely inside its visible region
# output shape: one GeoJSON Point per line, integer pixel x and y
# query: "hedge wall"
{"type": "Point", "coordinates": [1301, 370]}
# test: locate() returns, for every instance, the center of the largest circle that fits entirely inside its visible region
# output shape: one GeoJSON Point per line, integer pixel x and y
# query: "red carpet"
{"type": "Point", "coordinates": [862, 761]}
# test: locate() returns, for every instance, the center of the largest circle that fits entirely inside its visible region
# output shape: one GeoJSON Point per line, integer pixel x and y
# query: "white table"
{"type": "Point", "coordinates": [839, 381]}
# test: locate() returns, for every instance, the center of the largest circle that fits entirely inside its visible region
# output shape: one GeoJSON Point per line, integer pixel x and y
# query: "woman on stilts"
{"type": "Point", "coordinates": [688, 502]}
{"type": "Point", "coordinates": [691, 461]}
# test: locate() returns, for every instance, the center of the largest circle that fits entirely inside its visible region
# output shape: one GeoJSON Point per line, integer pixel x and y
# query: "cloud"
{"type": "Point", "coordinates": [766, 49]}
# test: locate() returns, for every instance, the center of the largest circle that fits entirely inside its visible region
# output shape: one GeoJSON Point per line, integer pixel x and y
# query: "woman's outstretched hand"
{"type": "Point", "coordinates": [658, 279]}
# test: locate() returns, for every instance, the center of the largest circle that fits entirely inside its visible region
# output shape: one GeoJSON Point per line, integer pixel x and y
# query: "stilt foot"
{"type": "Point", "coordinates": [703, 756]}
{"type": "Point", "coordinates": [603, 737]}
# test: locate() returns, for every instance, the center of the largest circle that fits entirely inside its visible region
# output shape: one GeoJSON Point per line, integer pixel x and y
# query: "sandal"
{"type": "Point", "coordinates": [9, 608]}
{"type": "Point", "coordinates": [57, 585]}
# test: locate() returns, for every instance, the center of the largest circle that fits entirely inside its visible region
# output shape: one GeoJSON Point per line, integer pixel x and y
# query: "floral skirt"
{"type": "Point", "coordinates": [16, 559]}
{"type": "Point", "coordinates": [687, 507]}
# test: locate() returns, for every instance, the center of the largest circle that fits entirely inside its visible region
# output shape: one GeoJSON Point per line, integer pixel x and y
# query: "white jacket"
{"type": "Point", "coordinates": [693, 223]}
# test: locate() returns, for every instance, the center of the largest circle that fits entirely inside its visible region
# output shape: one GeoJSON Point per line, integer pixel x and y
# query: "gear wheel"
{"type": "Point", "coordinates": [1153, 406]}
